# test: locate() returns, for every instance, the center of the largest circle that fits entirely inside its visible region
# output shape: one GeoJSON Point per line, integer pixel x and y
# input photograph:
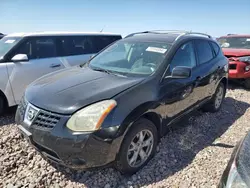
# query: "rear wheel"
{"type": "Point", "coordinates": [247, 83]}
{"type": "Point", "coordinates": [215, 103]}
{"type": "Point", "coordinates": [138, 147]}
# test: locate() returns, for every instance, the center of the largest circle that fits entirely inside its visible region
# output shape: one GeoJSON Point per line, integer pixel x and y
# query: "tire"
{"type": "Point", "coordinates": [1, 105]}
{"type": "Point", "coordinates": [146, 128]}
{"type": "Point", "coordinates": [247, 83]}
{"type": "Point", "coordinates": [214, 105]}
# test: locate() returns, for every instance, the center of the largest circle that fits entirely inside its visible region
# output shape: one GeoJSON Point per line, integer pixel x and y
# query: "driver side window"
{"type": "Point", "coordinates": [184, 56]}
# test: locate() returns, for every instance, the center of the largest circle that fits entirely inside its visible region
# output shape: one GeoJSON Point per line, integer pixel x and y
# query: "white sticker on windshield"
{"type": "Point", "coordinates": [248, 39]}
{"type": "Point", "coordinates": [155, 49]}
{"type": "Point", "coordinates": [9, 41]}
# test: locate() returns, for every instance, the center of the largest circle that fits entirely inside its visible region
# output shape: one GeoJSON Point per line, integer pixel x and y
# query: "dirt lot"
{"type": "Point", "coordinates": [194, 154]}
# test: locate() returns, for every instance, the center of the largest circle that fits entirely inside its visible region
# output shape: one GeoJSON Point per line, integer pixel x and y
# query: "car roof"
{"type": "Point", "coordinates": [60, 34]}
{"type": "Point", "coordinates": [234, 35]}
{"type": "Point", "coordinates": [162, 37]}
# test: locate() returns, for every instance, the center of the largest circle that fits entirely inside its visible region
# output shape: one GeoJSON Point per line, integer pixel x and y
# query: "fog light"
{"type": "Point", "coordinates": [247, 68]}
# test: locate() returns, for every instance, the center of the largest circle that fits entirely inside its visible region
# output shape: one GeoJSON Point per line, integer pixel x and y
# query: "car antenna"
{"type": "Point", "coordinates": [102, 28]}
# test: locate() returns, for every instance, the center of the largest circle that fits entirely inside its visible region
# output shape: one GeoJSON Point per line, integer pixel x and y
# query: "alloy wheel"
{"type": "Point", "coordinates": [219, 97]}
{"type": "Point", "coordinates": [140, 148]}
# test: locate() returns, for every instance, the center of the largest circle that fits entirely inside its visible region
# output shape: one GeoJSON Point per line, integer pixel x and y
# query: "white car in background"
{"type": "Point", "coordinates": [24, 57]}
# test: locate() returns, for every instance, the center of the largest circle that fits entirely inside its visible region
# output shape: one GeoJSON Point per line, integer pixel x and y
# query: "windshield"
{"type": "Point", "coordinates": [131, 57]}
{"type": "Point", "coordinates": [6, 43]}
{"type": "Point", "coordinates": [235, 42]}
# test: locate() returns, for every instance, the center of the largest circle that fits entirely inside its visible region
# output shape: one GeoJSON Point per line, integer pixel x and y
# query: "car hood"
{"type": "Point", "coordinates": [232, 52]}
{"type": "Point", "coordinates": [69, 90]}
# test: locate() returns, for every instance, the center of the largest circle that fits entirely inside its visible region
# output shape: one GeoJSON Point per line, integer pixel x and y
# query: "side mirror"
{"type": "Point", "coordinates": [20, 57]}
{"type": "Point", "coordinates": [181, 72]}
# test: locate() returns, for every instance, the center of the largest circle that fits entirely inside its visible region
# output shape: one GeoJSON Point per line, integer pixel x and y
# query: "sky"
{"type": "Point", "coordinates": [215, 17]}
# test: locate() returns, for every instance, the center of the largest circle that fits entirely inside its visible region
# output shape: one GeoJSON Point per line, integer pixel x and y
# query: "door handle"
{"type": "Point", "coordinates": [55, 65]}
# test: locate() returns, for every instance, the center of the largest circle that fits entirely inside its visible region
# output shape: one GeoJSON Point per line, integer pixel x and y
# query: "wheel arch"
{"type": "Point", "coordinates": [6, 104]}
{"type": "Point", "coordinates": [146, 111]}
{"type": "Point", "coordinates": [224, 80]}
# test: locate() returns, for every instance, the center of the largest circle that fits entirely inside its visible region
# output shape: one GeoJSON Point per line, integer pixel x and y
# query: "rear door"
{"type": "Point", "coordinates": [42, 54]}
{"type": "Point", "coordinates": [208, 68]}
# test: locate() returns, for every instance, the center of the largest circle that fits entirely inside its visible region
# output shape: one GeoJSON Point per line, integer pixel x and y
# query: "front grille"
{"type": "Point", "coordinates": [232, 66]}
{"type": "Point", "coordinates": [46, 120]}
{"type": "Point", "coordinates": [22, 107]}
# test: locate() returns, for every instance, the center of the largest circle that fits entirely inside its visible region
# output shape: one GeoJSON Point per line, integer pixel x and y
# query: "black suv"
{"type": "Point", "coordinates": [114, 108]}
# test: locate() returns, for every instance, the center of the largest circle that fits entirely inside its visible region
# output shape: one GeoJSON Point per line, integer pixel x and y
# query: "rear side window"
{"type": "Point", "coordinates": [76, 45]}
{"type": "Point", "coordinates": [44, 48]}
{"type": "Point", "coordinates": [204, 51]}
{"type": "Point", "coordinates": [80, 45]}
{"type": "Point", "coordinates": [216, 48]}
{"type": "Point", "coordinates": [38, 48]}
{"type": "Point", "coordinates": [101, 42]}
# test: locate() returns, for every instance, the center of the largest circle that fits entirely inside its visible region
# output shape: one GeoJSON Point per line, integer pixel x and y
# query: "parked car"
{"type": "Point", "coordinates": [114, 109]}
{"type": "Point", "coordinates": [26, 57]}
{"type": "Point", "coordinates": [237, 172]}
{"type": "Point", "coordinates": [237, 49]}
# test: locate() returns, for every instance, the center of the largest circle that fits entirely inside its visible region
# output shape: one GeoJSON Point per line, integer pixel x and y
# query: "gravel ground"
{"type": "Point", "coordinates": [193, 154]}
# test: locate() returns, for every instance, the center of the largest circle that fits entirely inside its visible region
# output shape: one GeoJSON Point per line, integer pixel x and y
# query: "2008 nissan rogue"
{"type": "Point", "coordinates": [114, 109]}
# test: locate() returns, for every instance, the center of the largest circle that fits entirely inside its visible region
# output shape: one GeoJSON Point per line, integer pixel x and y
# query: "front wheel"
{"type": "Point", "coordinates": [138, 147]}
{"type": "Point", "coordinates": [215, 103]}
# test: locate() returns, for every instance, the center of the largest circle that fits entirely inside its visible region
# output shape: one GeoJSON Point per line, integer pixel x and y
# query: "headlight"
{"type": "Point", "coordinates": [245, 59]}
{"type": "Point", "coordinates": [91, 117]}
{"type": "Point", "coordinates": [234, 180]}
{"type": "Point", "coordinates": [247, 68]}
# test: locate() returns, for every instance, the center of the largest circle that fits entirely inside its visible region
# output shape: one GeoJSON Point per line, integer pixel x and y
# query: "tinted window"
{"type": "Point", "coordinates": [204, 51]}
{"type": "Point", "coordinates": [215, 47]}
{"type": "Point", "coordinates": [37, 48]}
{"type": "Point", "coordinates": [103, 41]}
{"type": "Point", "coordinates": [76, 45]}
{"type": "Point", "coordinates": [79, 45]}
{"type": "Point", "coordinates": [184, 56]}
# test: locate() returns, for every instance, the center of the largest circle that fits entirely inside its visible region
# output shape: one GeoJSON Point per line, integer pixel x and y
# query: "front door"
{"type": "Point", "coordinates": [179, 94]}
{"type": "Point", "coordinates": [42, 60]}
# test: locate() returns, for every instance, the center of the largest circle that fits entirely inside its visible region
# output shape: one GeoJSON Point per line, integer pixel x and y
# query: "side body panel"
{"type": "Point", "coordinates": [5, 85]}
{"type": "Point", "coordinates": [21, 74]}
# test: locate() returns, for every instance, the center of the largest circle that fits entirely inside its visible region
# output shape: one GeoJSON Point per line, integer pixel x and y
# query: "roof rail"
{"type": "Point", "coordinates": [180, 32]}
{"type": "Point", "coordinates": [156, 32]}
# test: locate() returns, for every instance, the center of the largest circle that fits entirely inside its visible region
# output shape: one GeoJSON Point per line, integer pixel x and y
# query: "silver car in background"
{"type": "Point", "coordinates": [26, 57]}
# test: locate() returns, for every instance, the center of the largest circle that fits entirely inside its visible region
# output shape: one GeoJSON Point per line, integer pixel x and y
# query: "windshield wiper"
{"type": "Point", "coordinates": [109, 72]}
{"type": "Point", "coordinates": [103, 70]}
{"type": "Point", "coordinates": [84, 64]}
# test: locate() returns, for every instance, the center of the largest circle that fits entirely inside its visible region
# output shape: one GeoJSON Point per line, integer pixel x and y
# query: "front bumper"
{"type": "Point", "coordinates": [237, 70]}
{"type": "Point", "coordinates": [61, 146]}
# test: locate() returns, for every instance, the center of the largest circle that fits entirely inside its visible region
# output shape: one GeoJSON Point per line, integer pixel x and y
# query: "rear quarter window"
{"type": "Point", "coordinates": [215, 47]}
